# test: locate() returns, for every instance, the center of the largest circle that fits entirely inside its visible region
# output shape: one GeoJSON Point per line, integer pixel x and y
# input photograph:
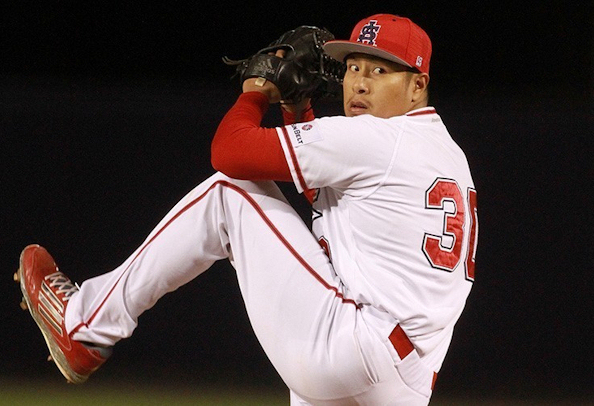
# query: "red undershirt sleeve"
{"type": "Point", "coordinates": [242, 149]}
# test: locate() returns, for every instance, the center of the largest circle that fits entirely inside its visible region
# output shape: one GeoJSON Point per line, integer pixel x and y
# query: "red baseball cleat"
{"type": "Point", "coordinates": [46, 292]}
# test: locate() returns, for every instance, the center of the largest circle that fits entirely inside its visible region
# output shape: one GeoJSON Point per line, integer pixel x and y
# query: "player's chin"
{"type": "Point", "coordinates": [356, 111]}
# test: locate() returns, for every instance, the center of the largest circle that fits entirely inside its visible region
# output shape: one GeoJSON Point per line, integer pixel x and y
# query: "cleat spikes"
{"type": "Point", "coordinates": [24, 305]}
{"type": "Point", "coordinates": [49, 358]}
{"type": "Point", "coordinates": [16, 277]}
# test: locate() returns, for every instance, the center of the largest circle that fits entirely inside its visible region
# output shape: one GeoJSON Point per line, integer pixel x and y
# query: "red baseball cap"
{"type": "Point", "coordinates": [386, 36]}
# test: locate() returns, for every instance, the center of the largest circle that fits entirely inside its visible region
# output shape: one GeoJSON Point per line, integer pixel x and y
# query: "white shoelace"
{"type": "Point", "coordinates": [62, 284]}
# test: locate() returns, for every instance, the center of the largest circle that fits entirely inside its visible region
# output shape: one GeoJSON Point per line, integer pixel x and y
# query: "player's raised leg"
{"type": "Point", "coordinates": [310, 329]}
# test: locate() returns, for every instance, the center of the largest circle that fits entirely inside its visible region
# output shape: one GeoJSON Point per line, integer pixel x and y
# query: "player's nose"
{"type": "Point", "coordinates": [361, 85]}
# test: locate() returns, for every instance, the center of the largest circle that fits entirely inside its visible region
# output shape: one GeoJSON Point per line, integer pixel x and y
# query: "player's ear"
{"type": "Point", "coordinates": [420, 82]}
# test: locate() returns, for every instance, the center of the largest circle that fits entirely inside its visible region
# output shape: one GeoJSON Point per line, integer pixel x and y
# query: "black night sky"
{"type": "Point", "coordinates": [106, 114]}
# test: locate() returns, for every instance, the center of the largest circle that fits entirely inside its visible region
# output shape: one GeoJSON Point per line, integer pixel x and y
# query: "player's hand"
{"type": "Point", "coordinates": [304, 70]}
{"type": "Point", "coordinates": [264, 86]}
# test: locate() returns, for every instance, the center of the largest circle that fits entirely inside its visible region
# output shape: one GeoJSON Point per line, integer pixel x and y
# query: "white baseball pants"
{"type": "Point", "coordinates": [318, 339]}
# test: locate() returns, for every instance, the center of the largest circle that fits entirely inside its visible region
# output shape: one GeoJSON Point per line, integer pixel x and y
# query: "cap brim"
{"type": "Point", "coordinates": [339, 50]}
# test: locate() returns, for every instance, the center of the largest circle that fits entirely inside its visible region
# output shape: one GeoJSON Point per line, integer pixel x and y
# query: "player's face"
{"type": "Point", "coordinates": [379, 87]}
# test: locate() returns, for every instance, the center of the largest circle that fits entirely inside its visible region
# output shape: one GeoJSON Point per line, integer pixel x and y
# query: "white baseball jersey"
{"type": "Point", "coordinates": [396, 211]}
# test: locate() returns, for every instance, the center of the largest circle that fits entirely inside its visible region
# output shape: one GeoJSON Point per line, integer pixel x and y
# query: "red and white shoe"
{"type": "Point", "coordinates": [46, 292]}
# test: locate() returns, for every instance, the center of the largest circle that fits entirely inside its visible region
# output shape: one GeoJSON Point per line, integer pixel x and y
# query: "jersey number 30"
{"type": "Point", "coordinates": [445, 251]}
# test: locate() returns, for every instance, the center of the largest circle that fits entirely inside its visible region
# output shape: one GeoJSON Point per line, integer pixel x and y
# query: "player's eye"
{"type": "Point", "coordinates": [353, 68]}
{"type": "Point", "coordinates": [379, 70]}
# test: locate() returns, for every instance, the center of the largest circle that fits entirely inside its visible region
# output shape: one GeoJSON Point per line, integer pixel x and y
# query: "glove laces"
{"type": "Point", "coordinates": [331, 69]}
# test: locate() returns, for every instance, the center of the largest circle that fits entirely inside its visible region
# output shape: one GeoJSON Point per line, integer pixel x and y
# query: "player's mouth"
{"type": "Point", "coordinates": [357, 107]}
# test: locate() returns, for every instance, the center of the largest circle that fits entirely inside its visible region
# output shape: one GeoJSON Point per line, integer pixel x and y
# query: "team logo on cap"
{"type": "Point", "coordinates": [369, 33]}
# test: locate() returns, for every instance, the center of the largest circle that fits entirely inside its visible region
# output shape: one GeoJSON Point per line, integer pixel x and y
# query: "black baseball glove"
{"type": "Point", "coordinates": [305, 71]}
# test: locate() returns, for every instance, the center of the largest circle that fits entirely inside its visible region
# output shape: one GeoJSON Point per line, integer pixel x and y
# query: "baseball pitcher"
{"type": "Point", "coordinates": [361, 309]}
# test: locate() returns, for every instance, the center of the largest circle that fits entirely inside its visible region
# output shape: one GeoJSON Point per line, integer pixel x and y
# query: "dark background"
{"type": "Point", "coordinates": [107, 110]}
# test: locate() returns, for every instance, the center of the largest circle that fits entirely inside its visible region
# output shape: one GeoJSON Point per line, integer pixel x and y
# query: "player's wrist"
{"type": "Point", "coordinates": [263, 86]}
{"type": "Point", "coordinates": [297, 108]}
